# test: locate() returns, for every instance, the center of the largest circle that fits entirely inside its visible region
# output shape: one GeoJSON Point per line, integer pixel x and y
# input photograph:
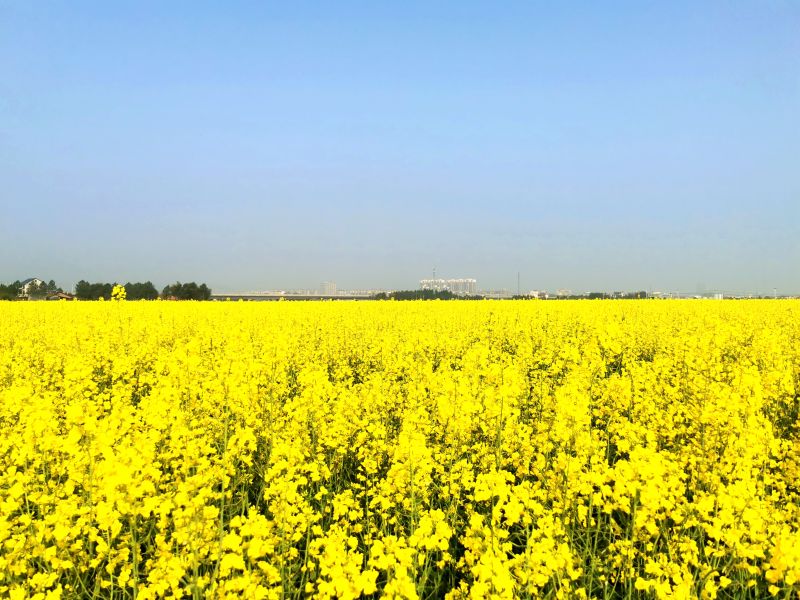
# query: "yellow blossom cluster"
{"type": "Point", "coordinates": [456, 450]}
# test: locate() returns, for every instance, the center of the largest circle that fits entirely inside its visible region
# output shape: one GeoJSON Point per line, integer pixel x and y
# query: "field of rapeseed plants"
{"type": "Point", "coordinates": [400, 450]}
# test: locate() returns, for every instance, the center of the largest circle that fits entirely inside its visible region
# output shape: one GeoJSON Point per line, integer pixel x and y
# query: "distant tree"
{"type": "Point", "coordinates": [10, 291]}
{"type": "Point", "coordinates": [93, 291]}
{"type": "Point", "coordinates": [187, 291]}
{"type": "Point", "coordinates": [148, 291]}
{"type": "Point", "coordinates": [37, 290]}
{"type": "Point", "coordinates": [141, 291]}
{"type": "Point", "coordinates": [82, 290]}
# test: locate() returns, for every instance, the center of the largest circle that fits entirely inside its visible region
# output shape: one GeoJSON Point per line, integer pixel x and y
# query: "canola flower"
{"type": "Point", "coordinates": [119, 293]}
{"type": "Point", "coordinates": [400, 450]}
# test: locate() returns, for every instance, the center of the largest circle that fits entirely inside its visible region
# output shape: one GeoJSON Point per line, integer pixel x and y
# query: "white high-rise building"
{"type": "Point", "coordinates": [461, 286]}
{"type": "Point", "coordinates": [328, 288]}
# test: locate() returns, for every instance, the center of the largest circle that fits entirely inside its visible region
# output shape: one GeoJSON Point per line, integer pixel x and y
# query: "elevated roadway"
{"type": "Point", "coordinates": [251, 296]}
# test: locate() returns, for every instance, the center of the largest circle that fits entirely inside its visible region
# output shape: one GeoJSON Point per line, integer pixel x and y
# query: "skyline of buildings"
{"type": "Point", "coordinates": [460, 286]}
{"type": "Point", "coordinates": [468, 286]}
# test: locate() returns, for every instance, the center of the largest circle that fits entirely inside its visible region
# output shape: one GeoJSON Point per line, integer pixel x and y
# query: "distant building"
{"type": "Point", "coordinates": [28, 284]}
{"type": "Point", "coordinates": [60, 296]}
{"type": "Point", "coordinates": [496, 294]}
{"type": "Point", "coordinates": [328, 288]}
{"type": "Point", "coordinates": [461, 287]}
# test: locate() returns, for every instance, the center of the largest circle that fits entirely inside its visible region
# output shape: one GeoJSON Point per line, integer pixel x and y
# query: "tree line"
{"type": "Point", "coordinates": [85, 290]}
{"type": "Point", "coordinates": [10, 291]}
{"type": "Point", "coordinates": [134, 291]}
{"type": "Point", "coordinates": [144, 291]}
{"type": "Point", "coordinates": [187, 291]}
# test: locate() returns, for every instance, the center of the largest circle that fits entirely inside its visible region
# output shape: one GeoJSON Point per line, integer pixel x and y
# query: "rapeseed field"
{"type": "Point", "coordinates": [588, 449]}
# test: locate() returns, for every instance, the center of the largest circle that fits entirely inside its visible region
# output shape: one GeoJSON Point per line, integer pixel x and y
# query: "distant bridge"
{"type": "Point", "coordinates": [273, 296]}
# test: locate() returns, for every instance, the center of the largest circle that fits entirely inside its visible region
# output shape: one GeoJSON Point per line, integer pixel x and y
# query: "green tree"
{"type": "Point", "coordinates": [141, 291]}
{"type": "Point", "coordinates": [92, 291]}
{"type": "Point", "coordinates": [10, 291]}
{"type": "Point", "coordinates": [36, 290]}
{"type": "Point", "coordinates": [187, 291]}
{"type": "Point", "coordinates": [82, 290]}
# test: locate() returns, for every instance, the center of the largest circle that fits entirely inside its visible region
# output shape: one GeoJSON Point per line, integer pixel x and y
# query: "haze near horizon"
{"type": "Point", "coordinates": [251, 146]}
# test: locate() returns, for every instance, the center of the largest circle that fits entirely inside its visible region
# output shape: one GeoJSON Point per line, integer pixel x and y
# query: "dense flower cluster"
{"type": "Point", "coordinates": [400, 450]}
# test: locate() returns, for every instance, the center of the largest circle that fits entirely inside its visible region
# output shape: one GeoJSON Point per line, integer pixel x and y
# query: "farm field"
{"type": "Point", "coordinates": [575, 449]}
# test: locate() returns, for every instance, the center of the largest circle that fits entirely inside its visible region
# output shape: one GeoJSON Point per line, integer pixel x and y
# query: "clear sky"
{"type": "Point", "coordinates": [588, 146]}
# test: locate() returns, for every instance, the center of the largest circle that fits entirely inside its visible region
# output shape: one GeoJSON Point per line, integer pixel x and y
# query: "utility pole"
{"type": "Point", "coordinates": [517, 283]}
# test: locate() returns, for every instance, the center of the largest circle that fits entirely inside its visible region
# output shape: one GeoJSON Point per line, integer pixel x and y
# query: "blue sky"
{"type": "Point", "coordinates": [589, 146]}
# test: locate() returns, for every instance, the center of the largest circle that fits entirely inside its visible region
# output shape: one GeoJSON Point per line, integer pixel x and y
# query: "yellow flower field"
{"type": "Point", "coordinates": [588, 449]}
